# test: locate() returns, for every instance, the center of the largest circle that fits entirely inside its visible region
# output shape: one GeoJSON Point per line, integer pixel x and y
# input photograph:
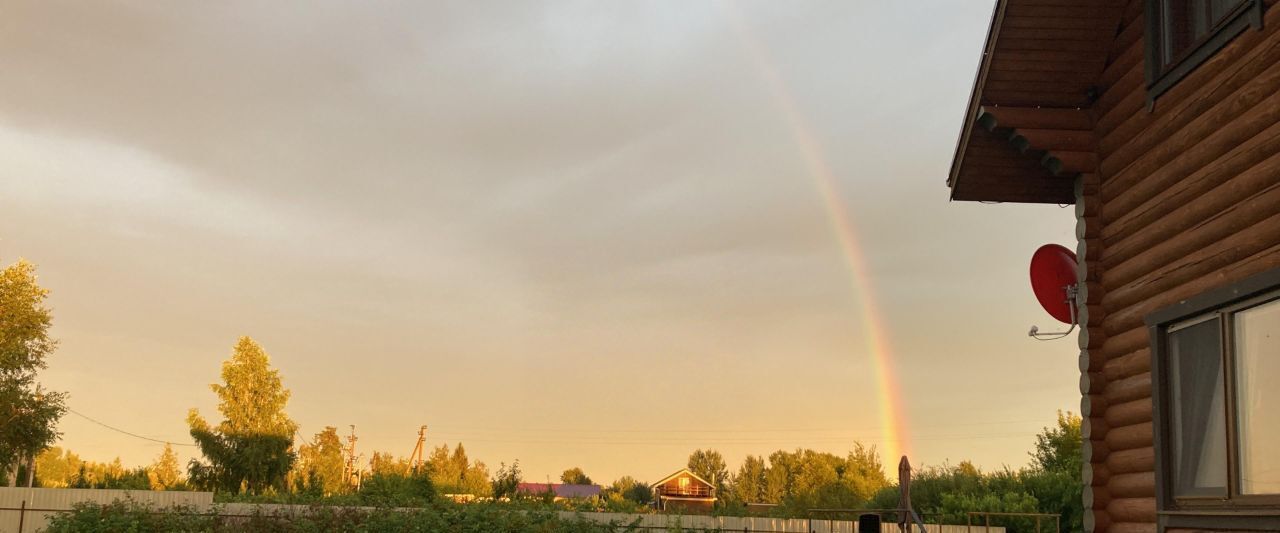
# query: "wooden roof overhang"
{"type": "Point", "coordinates": [1028, 130]}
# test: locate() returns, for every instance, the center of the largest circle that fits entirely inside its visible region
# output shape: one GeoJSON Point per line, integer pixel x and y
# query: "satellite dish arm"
{"type": "Point", "coordinates": [1072, 291]}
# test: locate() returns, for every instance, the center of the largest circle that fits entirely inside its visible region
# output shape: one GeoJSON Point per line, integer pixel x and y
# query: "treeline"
{"type": "Point", "coordinates": [803, 480]}
{"type": "Point", "coordinates": [251, 453]}
{"type": "Point", "coordinates": [58, 468]}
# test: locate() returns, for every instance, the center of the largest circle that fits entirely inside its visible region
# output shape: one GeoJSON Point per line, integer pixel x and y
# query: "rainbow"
{"type": "Point", "coordinates": [893, 421]}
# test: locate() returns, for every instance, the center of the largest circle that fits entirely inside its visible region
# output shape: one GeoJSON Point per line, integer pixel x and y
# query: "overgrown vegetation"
{"type": "Point", "coordinates": [129, 516]}
{"type": "Point", "coordinates": [1052, 485]}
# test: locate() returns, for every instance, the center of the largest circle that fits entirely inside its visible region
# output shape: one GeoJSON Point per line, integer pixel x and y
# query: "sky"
{"type": "Point", "coordinates": [568, 233]}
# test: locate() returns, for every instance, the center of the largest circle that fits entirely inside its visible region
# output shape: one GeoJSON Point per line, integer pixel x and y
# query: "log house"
{"type": "Point", "coordinates": [1160, 121]}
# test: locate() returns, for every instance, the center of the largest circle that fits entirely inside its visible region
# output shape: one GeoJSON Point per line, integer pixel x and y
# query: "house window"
{"type": "Point", "coordinates": [1182, 34]}
{"type": "Point", "coordinates": [1257, 362]}
{"type": "Point", "coordinates": [1216, 360]}
{"type": "Point", "coordinates": [684, 483]}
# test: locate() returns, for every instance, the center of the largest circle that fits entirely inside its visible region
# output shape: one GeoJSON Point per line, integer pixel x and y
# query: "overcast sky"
{"type": "Point", "coordinates": [569, 233]}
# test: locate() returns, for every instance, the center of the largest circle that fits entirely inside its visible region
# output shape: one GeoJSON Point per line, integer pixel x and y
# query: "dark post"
{"type": "Point", "coordinates": [904, 494]}
{"type": "Point", "coordinates": [869, 523]}
{"type": "Point", "coordinates": [22, 515]}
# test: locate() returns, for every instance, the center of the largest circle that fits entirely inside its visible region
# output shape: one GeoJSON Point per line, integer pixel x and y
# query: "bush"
{"type": "Point", "coordinates": [130, 516]}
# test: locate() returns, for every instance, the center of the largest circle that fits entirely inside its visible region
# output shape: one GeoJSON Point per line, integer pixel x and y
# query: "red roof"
{"type": "Point", "coordinates": [561, 490]}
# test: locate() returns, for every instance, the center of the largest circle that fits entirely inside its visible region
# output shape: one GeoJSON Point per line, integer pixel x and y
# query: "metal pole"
{"type": "Point", "coordinates": [22, 515]}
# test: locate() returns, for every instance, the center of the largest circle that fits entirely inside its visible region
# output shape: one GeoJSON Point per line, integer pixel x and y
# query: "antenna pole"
{"type": "Point", "coordinates": [415, 457]}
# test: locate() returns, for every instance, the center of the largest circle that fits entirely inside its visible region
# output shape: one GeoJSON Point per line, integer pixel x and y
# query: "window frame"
{"type": "Point", "coordinates": [1237, 510]}
{"type": "Point", "coordinates": [1248, 14]}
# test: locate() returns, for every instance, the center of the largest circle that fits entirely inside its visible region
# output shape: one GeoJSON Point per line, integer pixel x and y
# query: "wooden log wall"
{"type": "Point", "coordinates": [1186, 198]}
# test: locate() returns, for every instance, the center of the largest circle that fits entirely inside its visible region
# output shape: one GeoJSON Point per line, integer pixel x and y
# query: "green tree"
{"type": "Point", "coordinates": [165, 474]}
{"type": "Point", "coordinates": [780, 478]}
{"type": "Point", "coordinates": [24, 322]}
{"type": "Point", "coordinates": [507, 480]}
{"type": "Point", "coordinates": [749, 483]}
{"type": "Point", "coordinates": [629, 488]}
{"type": "Point", "coordinates": [444, 474]}
{"type": "Point", "coordinates": [56, 468]}
{"type": "Point", "coordinates": [321, 463]}
{"type": "Point", "coordinates": [865, 472]}
{"type": "Point", "coordinates": [454, 473]}
{"type": "Point", "coordinates": [28, 416]}
{"type": "Point", "coordinates": [387, 464]}
{"type": "Point", "coordinates": [475, 480]}
{"type": "Point", "coordinates": [575, 476]}
{"type": "Point", "coordinates": [1058, 449]}
{"type": "Point", "coordinates": [709, 465]}
{"type": "Point", "coordinates": [626, 495]}
{"type": "Point", "coordinates": [252, 448]}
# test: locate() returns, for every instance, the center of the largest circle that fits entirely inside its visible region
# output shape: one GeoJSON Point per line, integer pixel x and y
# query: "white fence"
{"type": "Point", "coordinates": [40, 503]}
{"type": "Point", "coordinates": [25, 510]}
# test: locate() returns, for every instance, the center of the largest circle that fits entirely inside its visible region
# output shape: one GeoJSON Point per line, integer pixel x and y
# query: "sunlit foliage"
{"type": "Point", "coordinates": [252, 448]}
{"type": "Point", "coordinates": [28, 415]}
{"type": "Point", "coordinates": [321, 464]}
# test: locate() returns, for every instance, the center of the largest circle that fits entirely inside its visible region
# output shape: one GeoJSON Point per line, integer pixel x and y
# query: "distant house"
{"type": "Point", "coordinates": [562, 491]}
{"type": "Point", "coordinates": [684, 491]}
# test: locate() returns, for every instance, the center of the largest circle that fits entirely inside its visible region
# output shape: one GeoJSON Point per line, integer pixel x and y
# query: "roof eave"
{"type": "Point", "coordinates": [975, 95]}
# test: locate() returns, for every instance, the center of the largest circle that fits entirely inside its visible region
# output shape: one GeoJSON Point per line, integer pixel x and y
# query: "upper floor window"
{"type": "Point", "coordinates": [1181, 34]}
{"type": "Point", "coordinates": [1215, 360]}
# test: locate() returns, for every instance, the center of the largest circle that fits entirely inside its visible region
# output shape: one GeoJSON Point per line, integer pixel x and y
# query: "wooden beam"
{"type": "Point", "coordinates": [1052, 139]}
{"type": "Point", "coordinates": [1054, 118]}
{"type": "Point", "coordinates": [1061, 162]}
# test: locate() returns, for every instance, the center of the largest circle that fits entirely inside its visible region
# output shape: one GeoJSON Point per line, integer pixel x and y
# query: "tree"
{"type": "Point", "coordinates": [454, 473]}
{"type": "Point", "coordinates": [864, 470]}
{"type": "Point", "coordinates": [444, 474]}
{"type": "Point", "coordinates": [252, 448]}
{"type": "Point", "coordinates": [387, 464]}
{"type": "Point", "coordinates": [24, 322]}
{"type": "Point", "coordinates": [56, 468]}
{"type": "Point", "coordinates": [28, 416]}
{"type": "Point", "coordinates": [709, 465]}
{"type": "Point", "coordinates": [475, 480]}
{"type": "Point", "coordinates": [164, 474]}
{"type": "Point", "coordinates": [575, 476]}
{"type": "Point", "coordinates": [1058, 449]}
{"type": "Point", "coordinates": [507, 480]}
{"type": "Point", "coordinates": [626, 495]}
{"type": "Point", "coordinates": [633, 490]}
{"type": "Point", "coordinates": [749, 483]}
{"type": "Point", "coordinates": [321, 463]}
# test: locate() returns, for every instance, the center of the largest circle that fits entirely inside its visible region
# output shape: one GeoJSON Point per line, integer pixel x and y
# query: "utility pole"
{"type": "Point", "coordinates": [350, 470]}
{"type": "Point", "coordinates": [415, 457]}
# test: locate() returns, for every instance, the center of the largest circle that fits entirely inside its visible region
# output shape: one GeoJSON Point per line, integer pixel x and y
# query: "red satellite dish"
{"type": "Point", "coordinates": [1053, 272]}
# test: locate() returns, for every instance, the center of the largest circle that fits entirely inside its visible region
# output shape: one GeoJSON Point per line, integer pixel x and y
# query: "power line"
{"type": "Point", "coordinates": [118, 430]}
{"type": "Point", "coordinates": [697, 440]}
{"type": "Point", "coordinates": [833, 428]}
